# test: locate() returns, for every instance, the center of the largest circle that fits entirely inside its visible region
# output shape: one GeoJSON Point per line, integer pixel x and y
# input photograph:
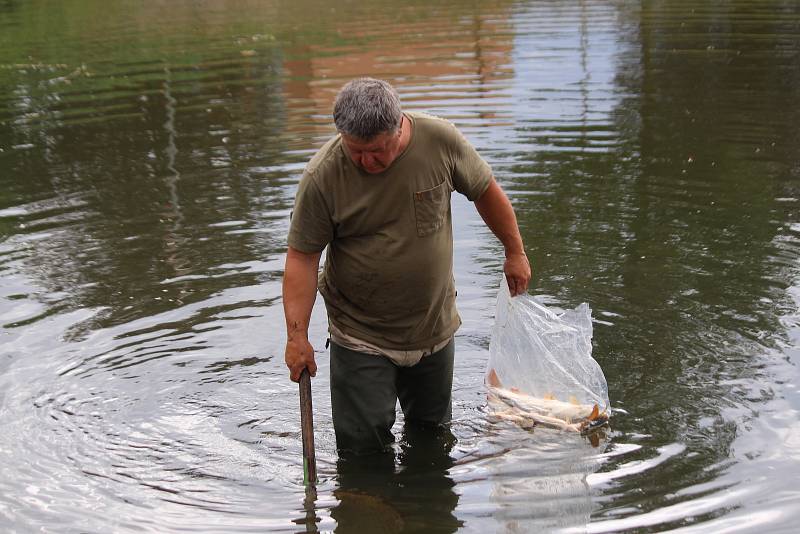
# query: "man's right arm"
{"type": "Point", "coordinates": [299, 294]}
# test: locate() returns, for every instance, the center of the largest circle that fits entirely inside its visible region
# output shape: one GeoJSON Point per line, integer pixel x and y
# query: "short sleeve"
{"type": "Point", "coordinates": [471, 174]}
{"type": "Point", "coordinates": [311, 226]}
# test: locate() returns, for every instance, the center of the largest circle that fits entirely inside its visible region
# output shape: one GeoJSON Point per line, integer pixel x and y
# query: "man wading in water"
{"type": "Point", "coordinates": [378, 196]}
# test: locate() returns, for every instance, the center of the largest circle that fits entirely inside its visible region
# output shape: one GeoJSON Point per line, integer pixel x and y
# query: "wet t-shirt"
{"type": "Point", "coordinates": [388, 273]}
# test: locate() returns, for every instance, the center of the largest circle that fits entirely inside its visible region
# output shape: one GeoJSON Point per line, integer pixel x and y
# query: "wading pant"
{"type": "Point", "coordinates": [365, 389]}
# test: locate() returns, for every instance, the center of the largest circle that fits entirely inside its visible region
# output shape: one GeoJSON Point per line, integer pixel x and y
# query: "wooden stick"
{"type": "Point", "coordinates": [307, 426]}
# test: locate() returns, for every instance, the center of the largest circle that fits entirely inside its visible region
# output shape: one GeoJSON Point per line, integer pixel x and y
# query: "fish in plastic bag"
{"type": "Point", "coordinates": [541, 370]}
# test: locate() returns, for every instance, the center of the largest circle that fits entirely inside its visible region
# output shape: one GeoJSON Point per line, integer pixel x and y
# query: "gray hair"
{"type": "Point", "coordinates": [366, 107]}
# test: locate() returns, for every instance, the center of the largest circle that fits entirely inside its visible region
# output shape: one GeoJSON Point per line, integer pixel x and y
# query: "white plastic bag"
{"type": "Point", "coordinates": [545, 355]}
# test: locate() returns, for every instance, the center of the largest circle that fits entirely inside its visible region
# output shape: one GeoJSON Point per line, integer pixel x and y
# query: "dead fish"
{"type": "Point", "coordinates": [527, 410]}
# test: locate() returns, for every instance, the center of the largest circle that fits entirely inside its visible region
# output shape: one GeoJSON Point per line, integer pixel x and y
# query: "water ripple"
{"type": "Point", "coordinates": [150, 156]}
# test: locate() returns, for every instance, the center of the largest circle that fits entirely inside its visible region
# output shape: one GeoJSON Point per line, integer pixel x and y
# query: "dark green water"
{"type": "Point", "coordinates": [149, 154]}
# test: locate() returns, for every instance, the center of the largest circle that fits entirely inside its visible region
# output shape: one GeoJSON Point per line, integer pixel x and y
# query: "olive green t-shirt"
{"type": "Point", "coordinates": [388, 274]}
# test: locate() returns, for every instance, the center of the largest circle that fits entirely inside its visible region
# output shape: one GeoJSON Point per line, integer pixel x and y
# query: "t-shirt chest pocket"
{"type": "Point", "coordinates": [431, 208]}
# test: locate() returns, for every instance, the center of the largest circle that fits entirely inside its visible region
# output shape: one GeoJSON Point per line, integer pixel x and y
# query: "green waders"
{"type": "Point", "coordinates": [365, 389]}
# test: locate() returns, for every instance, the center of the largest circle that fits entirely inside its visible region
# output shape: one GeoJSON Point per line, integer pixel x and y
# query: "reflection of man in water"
{"type": "Point", "coordinates": [378, 196]}
{"type": "Point", "coordinates": [375, 497]}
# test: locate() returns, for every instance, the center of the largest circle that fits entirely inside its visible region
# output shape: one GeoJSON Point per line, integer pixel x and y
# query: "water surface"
{"type": "Point", "coordinates": [149, 154]}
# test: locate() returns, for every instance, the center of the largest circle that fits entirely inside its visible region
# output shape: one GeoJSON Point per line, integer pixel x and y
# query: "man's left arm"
{"type": "Point", "coordinates": [498, 214]}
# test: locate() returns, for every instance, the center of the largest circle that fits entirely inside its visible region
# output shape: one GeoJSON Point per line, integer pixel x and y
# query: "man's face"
{"type": "Point", "coordinates": [377, 154]}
